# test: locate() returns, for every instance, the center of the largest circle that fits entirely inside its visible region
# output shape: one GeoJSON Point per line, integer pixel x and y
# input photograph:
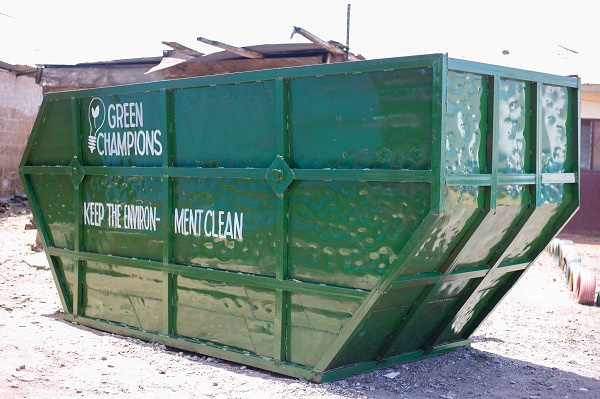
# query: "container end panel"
{"type": "Point", "coordinates": [65, 270]}
{"type": "Point", "coordinates": [375, 120]}
{"type": "Point", "coordinates": [379, 326]}
{"type": "Point", "coordinates": [430, 318]}
{"type": "Point", "coordinates": [349, 233]}
{"type": "Point", "coordinates": [54, 196]}
{"type": "Point", "coordinates": [123, 216]}
{"type": "Point", "coordinates": [227, 224]}
{"type": "Point", "coordinates": [537, 228]}
{"type": "Point", "coordinates": [227, 314]}
{"type": "Point", "coordinates": [514, 130]}
{"type": "Point", "coordinates": [480, 305]}
{"type": "Point", "coordinates": [314, 323]}
{"type": "Point", "coordinates": [496, 227]}
{"type": "Point", "coordinates": [231, 126]}
{"type": "Point", "coordinates": [557, 130]}
{"type": "Point", "coordinates": [462, 212]}
{"type": "Point", "coordinates": [122, 294]}
{"type": "Point", "coordinates": [466, 123]}
{"type": "Point", "coordinates": [53, 144]}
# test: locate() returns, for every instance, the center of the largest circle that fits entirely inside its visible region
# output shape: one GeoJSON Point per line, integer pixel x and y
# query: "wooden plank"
{"type": "Point", "coordinates": [193, 69]}
{"type": "Point", "coordinates": [329, 46]}
{"type": "Point", "coordinates": [180, 49]}
{"type": "Point", "coordinates": [243, 52]}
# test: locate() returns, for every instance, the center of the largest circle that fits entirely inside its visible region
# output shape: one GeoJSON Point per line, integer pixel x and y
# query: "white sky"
{"type": "Point", "coordinates": [68, 32]}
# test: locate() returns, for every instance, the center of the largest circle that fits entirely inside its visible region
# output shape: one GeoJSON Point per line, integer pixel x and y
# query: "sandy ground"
{"type": "Point", "coordinates": [539, 343]}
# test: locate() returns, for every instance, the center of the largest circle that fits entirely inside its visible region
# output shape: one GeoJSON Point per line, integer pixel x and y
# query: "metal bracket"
{"type": "Point", "coordinates": [279, 175]}
{"type": "Point", "coordinates": [76, 172]}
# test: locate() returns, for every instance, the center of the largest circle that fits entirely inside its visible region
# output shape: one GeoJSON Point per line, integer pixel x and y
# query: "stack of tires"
{"type": "Point", "coordinates": [580, 280]}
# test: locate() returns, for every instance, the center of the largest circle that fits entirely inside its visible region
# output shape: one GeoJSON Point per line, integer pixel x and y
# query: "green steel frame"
{"type": "Point", "coordinates": [393, 278]}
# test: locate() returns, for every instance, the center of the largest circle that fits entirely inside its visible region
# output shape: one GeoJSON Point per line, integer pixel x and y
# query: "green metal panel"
{"type": "Point", "coordinates": [350, 233]}
{"type": "Point", "coordinates": [316, 221]}
{"type": "Point", "coordinates": [227, 314]}
{"type": "Point", "coordinates": [125, 295]}
{"type": "Point", "coordinates": [206, 220]}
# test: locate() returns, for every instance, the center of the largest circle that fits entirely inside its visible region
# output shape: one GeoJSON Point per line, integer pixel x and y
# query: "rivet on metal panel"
{"type": "Point", "coordinates": [279, 175]}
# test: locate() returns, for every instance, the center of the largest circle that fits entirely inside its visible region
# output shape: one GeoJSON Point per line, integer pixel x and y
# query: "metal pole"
{"type": "Point", "coordinates": [348, 29]}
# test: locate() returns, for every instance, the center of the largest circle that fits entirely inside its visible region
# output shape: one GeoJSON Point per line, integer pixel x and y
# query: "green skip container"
{"type": "Point", "coordinates": [317, 221]}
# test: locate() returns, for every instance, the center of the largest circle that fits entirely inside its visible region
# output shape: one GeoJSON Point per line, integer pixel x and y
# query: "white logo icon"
{"type": "Point", "coordinates": [96, 116]}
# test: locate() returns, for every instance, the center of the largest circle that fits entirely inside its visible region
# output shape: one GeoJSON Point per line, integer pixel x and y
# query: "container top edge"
{"type": "Point", "coordinates": [414, 61]}
{"type": "Point", "coordinates": [455, 64]}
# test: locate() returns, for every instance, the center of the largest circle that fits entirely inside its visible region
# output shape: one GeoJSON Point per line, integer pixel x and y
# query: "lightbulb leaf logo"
{"type": "Point", "coordinates": [96, 116]}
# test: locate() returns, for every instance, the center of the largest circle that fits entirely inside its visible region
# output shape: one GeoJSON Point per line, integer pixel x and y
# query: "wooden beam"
{"type": "Point", "coordinates": [192, 69]}
{"type": "Point", "coordinates": [318, 41]}
{"type": "Point", "coordinates": [244, 52]}
{"type": "Point", "coordinates": [329, 46]}
{"type": "Point", "coordinates": [181, 51]}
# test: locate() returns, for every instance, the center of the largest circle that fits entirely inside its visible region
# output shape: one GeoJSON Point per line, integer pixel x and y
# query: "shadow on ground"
{"type": "Point", "coordinates": [465, 373]}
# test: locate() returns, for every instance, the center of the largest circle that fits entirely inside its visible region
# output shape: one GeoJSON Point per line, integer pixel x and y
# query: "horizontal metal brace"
{"type": "Point", "coordinates": [505, 179]}
{"type": "Point", "coordinates": [413, 176]}
{"type": "Point", "coordinates": [204, 347]}
{"type": "Point", "coordinates": [465, 273]}
{"type": "Point", "coordinates": [384, 175]}
{"type": "Point", "coordinates": [345, 372]}
{"type": "Point", "coordinates": [252, 280]}
{"type": "Point", "coordinates": [556, 178]}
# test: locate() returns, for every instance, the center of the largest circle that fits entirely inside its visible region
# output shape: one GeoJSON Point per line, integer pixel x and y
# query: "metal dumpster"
{"type": "Point", "coordinates": [314, 221]}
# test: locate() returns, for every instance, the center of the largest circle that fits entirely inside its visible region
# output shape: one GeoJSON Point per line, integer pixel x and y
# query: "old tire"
{"type": "Point", "coordinates": [586, 287]}
{"type": "Point", "coordinates": [563, 247]}
{"type": "Point", "coordinates": [572, 276]}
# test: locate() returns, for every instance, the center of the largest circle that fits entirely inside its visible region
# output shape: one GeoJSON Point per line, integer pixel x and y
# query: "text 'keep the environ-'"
{"type": "Point", "coordinates": [186, 221]}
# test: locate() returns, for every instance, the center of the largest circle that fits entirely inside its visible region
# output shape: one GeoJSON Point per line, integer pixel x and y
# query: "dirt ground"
{"type": "Point", "coordinates": [539, 343]}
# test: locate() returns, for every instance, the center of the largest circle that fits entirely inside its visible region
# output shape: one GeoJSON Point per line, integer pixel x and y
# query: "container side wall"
{"type": "Point", "coordinates": [226, 224]}
{"type": "Point", "coordinates": [226, 314]}
{"type": "Point", "coordinates": [375, 120]}
{"type": "Point", "coordinates": [349, 233]}
{"type": "Point", "coordinates": [124, 295]}
{"type": "Point", "coordinates": [123, 216]}
{"type": "Point", "coordinates": [230, 126]}
{"type": "Point", "coordinates": [122, 130]}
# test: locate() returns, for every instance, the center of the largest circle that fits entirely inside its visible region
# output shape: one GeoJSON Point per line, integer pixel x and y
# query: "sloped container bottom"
{"type": "Point", "coordinates": [316, 221]}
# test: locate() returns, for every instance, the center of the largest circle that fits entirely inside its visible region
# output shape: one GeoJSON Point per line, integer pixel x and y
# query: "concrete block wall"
{"type": "Point", "coordinates": [20, 99]}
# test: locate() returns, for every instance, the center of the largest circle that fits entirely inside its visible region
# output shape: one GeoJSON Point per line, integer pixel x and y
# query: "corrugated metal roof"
{"type": "Point", "coordinates": [17, 69]}
{"type": "Point", "coordinates": [267, 50]}
{"type": "Point", "coordinates": [130, 61]}
{"type": "Point", "coordinates": [590, 88]}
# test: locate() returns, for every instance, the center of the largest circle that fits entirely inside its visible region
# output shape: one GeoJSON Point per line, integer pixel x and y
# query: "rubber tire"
{"type": "Point", "coordinates": [570, 260]}
{"type": "Point", "coordinates": [568, 270]}
{"type": "Point", "coordinates": [573, 273]}
{"type": "Point", "coordinates": [562, 251]}
{"type": "Point", "coordinates": [586, 287]}
{"type": "Point", "coordinates": [569, 252]}
{"type": "Point", "coordinates": [552, 246]}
